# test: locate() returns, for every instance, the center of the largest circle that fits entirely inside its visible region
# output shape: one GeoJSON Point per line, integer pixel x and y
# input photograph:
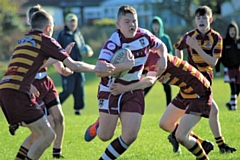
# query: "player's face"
{"type": "Point", "coordinates": [72, 25]}
{"type": "Point", "coordinates": [128, 25]}
{"type": "Point", "coordinates": [155, 27]}
{"type": "Point", "coordinates": [232, 32]}
{"type": "Point", "coordinates": [203, 22]}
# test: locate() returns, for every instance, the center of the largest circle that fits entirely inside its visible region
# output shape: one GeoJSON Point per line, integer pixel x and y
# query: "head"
{"type": "Point", "coordinates": [127, 21]}
{"type": "Point", "coordinates": [32, 10]}
{"type": "Point", "coordinates": [71, 21]}
{"type": "Point", "coordinates": [232, 31]}
{"type": "Point", "coordinates": [203, 18]}
{"type": "Point", "coordinates": [42, 21]}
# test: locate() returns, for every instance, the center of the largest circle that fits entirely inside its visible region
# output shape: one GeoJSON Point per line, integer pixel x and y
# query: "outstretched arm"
{"type": "Point", "coordinates": [145, 82]}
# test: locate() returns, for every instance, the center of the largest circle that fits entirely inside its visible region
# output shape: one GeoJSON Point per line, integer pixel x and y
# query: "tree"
{"type": "Point", "coordinates": [185, 8]}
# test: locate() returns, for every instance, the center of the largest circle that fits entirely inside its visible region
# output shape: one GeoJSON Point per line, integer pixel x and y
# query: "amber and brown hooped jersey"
{"type": "Point", "coordinates": [180, 73]}
{"type": "Point", "coordinates": [211, 43]}
{"type": "Point", "coordinates": [29, 55]}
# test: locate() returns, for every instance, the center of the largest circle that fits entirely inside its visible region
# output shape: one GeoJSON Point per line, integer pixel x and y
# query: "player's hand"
{"type": "Point", "coordinates": [69, 47]}
{"type": "Point", "coordinates": [34, 91]}
{"type": "Point", "coordinates": [66, 71]}
{"type": "Point", "coordinates": [129, 61]}
{"type": "Point", "coordinates": [192, 42]}
{"type": "Point", "coordinates": [104, 67]}
{"type": "Point", "coordinates": [117, 89]}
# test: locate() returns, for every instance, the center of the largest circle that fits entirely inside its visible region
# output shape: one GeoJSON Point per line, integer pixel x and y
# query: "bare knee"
{"type": "Point", "coordinates": [58, 120]}
{"type": "Point", "coordinates": [166, 126]}
{"type": "Point", "coordinates": [105, 137]}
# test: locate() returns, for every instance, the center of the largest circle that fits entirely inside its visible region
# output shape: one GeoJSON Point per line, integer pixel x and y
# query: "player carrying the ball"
{"type": "Point", "coordinates": [129, 106]}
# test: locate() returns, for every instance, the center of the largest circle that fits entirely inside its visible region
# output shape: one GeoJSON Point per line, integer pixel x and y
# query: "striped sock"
{"type": "Point", "coordinates": [199, 152]}
{"type": "Point", "coordinates": [197, 137]}
{"type": "Point", "coordinates": [22, 153]}
{"type": "Point", "coordinates": [114, 149]}
{"type": "Point", "coordinates": [220, 140]}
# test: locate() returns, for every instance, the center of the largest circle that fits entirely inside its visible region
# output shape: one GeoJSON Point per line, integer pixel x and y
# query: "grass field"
{"type": "Point", "coordinates": [152, 143]}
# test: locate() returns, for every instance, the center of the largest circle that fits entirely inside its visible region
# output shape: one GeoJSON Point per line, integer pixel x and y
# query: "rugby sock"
{"type": "Point", "coordinates": [57, 151]}
{"type": "Point", "coordinates": [197, 137]}
{"type": "Point", "coordinates": [22, 153]}
{"type": "Point", "coordinates": [27, 158]}
{"type": "Point", "coordinates": [174, 131]}
{"type": "Point", "coordinates": [220, 140]}
{"type": "Point", "coordinates": [114, 149]}
{"type": "Point", "coordinates": [199, 152]}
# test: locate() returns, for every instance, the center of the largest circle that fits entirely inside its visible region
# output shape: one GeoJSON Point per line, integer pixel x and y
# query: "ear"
{"type": "Point", "coordinates": [211, 20]}
{"type": "Point", "coordinates": [118, 25]}
{"type": "Point", "coordinates": [47, 27]}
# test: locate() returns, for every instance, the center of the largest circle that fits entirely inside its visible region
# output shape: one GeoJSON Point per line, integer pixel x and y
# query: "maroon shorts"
{"type": "Point", "coordinates": [128, 102]}
{"type": "Point", "coordinates": [19, 107]}
{"type": "Point", "coordinates": [234, 75]}
{"type": "Point", "coordinates": [198, 106]}
{"type": "Point", "coordinates": [48, 92]}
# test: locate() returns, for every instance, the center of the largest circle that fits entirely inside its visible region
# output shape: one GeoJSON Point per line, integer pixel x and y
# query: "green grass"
{"type": "Point", "coordinates": [151, 144]}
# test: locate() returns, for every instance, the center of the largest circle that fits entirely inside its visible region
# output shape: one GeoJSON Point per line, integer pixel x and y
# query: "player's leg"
{"type": "Point", "coordinates": [169, 123]}
{"type": "Point", "coordinates": [216, 130]}
{"type": "Point", "coordinates": [130, 127]}
{"type": "Point", "coordinates": [187, 124]}
{"type": "Point", "coordinates": [58, 119]}
{"type": "Point", "coordinates": [168, 92]}
{"type": "Point", "coordinates": [45, 136]}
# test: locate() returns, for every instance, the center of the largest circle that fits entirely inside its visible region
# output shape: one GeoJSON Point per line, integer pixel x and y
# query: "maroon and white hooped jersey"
{"type": "Point", "coordinates": [139, 45]}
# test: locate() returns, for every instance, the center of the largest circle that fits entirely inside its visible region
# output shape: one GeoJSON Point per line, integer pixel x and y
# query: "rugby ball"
{"type": "Point", "coordinates": [119, 57]}
{"type": "Point", "coordinates": [86, 51]}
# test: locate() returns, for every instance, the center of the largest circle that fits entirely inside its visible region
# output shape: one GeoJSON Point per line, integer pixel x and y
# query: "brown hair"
{"type": "Point", "coordinates": [34, 9]}
{"type": "Point", "coordinates": [202, 10]}
{"type": "Point", "coordinates": [40, 19]}
{"type": "Point", "coordinates": [124, 9]}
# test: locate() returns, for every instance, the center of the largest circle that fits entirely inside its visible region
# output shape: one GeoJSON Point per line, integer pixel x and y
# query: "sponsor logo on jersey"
{"type": "Point", "coordinates": [208, 45]}
{"type": "Point", "coordinates": [27, 39]}
{"type": "Point", "coordinates": [100, 102]}
{"type": "Point", "coordinates": [111, 46]}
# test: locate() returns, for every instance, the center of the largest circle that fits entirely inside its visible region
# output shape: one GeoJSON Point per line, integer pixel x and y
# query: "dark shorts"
{"type": "Point", "coordinates": [128, 102]}
{"type": "Point", "coordinates": [234, 75]}
{"type": "Point", "coordinates": [198, 106]}
{"type": "Point", "coordinates": [48, 92]}
{"type": "Point", "coordinates": [19, 107]}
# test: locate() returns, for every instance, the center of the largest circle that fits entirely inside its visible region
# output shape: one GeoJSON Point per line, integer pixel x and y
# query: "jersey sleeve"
{"type": "Point", "coordinates": [217, 49]}
{"type": "Point", "coordinates": [53, 49]}
{"type": "Point", "coordinates": [181, 44]}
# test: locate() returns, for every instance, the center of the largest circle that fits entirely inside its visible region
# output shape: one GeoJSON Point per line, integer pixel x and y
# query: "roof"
{"type": "Point", "coordinates": [63, 3]}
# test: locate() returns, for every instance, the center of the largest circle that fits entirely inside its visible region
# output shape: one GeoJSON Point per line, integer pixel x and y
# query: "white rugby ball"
{"type": "Point", "coordinates": [86, 51]}
{"type": "Point", "coordinates": [119, 57]}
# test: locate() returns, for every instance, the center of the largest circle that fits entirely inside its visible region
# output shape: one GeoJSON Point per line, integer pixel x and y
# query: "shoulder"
{"type": "Point", "coordinates": [215, 33]}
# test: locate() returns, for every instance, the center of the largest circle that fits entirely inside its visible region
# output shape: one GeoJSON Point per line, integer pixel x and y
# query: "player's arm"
{"type": "Point", "coordinates": [62, 69]}
{"type": "Point", "coordinates": [179, 53]}
{"type": "Point", "coordinates": [162, 63]}
{"type": "Point", "coordinates": [79, 66]}
{"type": "Point", "coordinates": [211, 60]}
{"type": "Point", "coordinates": [145, 82]}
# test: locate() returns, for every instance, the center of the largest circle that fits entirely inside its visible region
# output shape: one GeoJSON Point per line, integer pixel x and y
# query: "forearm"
{"type": "Point", "coordinates": [58, 66]}
{"type": "Point", "coordinates": [210, 60]}
{"type": "Point", "coordinates": [49, 62]}
{"type": "Point", "coordinates": [143, 83]}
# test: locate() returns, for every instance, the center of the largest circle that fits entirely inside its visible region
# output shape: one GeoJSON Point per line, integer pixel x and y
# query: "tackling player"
{"type": "Point", "coordinates": [31, 52]}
